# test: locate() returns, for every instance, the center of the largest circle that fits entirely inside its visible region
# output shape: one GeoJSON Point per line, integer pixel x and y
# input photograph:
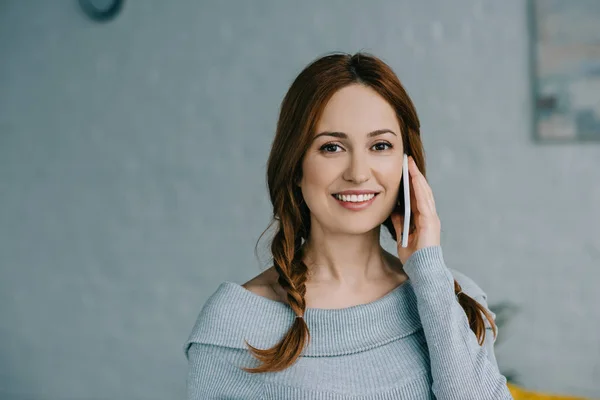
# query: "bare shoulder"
{"type": "Point", "coordinates": [265, 285]}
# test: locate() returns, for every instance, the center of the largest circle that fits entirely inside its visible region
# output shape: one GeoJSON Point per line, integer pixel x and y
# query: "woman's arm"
{"type": "Point", "coordinates": [461, 369]}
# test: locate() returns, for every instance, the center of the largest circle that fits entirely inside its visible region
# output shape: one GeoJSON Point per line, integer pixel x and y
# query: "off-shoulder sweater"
{"type": "Point", "coordinates": [413, 343]}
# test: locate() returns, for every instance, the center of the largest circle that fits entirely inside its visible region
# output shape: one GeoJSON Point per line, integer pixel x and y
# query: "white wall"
{"type": "Point", "coordinates": [132, 162]}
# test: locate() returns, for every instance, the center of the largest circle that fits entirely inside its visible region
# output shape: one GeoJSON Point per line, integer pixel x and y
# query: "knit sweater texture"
{"type": "Point", "coordinates": [413, 343]}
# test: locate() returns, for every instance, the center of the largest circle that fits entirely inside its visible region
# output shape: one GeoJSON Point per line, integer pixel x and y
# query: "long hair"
{"type": "Point", "coordinates": [300, 111]}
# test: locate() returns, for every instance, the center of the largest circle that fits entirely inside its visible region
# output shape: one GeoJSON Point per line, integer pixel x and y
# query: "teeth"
{"type": "Point", "coordinates": [355, 198]}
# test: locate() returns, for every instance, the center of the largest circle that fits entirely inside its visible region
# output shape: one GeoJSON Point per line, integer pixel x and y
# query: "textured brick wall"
{"type": "Point", "coordinates": [132, 161]}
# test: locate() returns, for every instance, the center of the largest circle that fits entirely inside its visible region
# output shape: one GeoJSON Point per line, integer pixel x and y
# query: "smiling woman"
{"type": "Point", "coordinates": [337, 316]}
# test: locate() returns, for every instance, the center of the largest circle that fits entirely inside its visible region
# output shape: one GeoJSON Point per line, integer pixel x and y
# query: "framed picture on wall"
{"type": "Point", "coordinates": [566, 69]}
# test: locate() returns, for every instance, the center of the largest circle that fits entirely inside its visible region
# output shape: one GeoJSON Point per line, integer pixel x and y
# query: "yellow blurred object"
{"type": "Point", "coordinates": [519, 393]}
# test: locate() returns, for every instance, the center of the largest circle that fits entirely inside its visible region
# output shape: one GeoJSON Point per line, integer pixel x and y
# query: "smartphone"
{"type": "Point", "coordinates": [406, 183]}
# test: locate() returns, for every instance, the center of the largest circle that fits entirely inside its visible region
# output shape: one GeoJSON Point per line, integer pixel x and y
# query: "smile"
{"type": "Point", "coordinates": [353, 198]}
{"type": "Point", "coordinates": [355, 202]}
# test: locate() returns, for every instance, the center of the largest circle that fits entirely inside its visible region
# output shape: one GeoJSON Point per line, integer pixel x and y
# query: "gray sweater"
{"type": "Point", "coordinates": [412, 343]}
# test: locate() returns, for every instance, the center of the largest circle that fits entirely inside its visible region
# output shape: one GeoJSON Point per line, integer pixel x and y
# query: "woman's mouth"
{"type": "Point", "coordinates": [355, 201]}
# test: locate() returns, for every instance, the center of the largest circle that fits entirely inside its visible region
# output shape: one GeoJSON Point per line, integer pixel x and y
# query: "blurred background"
{"type": "Point", "coordinates": [132, 179]}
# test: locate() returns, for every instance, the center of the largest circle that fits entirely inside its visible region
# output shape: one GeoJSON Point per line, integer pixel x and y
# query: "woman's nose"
{"type": "Point", "coordinates": [358, 170]}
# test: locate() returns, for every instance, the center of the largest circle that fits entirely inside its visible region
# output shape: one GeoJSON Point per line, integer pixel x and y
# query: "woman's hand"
{"type": "Point", "coordinates": [427, 222]}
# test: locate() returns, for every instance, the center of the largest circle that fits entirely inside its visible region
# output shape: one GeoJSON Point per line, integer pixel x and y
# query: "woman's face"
{"type": "Point", "coordinates": [357, 148]}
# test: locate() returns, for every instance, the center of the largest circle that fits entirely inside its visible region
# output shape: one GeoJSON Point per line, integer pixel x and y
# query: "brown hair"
{"type": "Point", "coordinates": [300, 111]}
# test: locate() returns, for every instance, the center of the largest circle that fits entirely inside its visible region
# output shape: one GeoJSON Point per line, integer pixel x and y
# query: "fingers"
{"type": "Point", "coordinates": [421, 189]}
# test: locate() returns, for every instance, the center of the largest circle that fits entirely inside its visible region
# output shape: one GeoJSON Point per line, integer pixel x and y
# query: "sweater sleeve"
{"type": "Point", "coordinates": [461, 369]}
{"type": "Point", "coordinates": [215, 372]}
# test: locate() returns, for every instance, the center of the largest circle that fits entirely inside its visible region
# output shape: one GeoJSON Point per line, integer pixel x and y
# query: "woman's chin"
{"type": "Point", "coordinates": [350, 224]}
{"type": "Point", "coordinates": [358, 227]}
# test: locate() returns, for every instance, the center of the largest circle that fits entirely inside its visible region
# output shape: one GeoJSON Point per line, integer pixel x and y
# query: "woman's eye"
{"type": "Point", "coordinates": [381, 146]}
{"type": "Point", "coordinates": [329, 148]}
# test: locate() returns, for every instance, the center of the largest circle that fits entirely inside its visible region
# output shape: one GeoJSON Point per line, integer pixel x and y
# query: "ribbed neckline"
{"type": "Point", "coordinates": [233, 314]}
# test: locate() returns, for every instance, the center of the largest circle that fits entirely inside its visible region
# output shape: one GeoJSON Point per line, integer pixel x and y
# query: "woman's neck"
{"type": "Point", "coordinates": [348, 261]}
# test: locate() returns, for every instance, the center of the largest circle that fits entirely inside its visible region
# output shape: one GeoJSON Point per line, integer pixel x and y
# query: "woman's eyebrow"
{"type": "Point", "coordinates": [342, 135]}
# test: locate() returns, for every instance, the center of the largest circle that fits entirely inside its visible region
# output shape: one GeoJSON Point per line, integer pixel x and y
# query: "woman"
{"type": "Point", "coordinates": [337, 316]}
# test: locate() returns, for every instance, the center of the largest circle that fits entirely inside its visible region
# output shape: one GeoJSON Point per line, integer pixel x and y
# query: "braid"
{"type": "Point", "coordinates": [293, 278]}
{"type": "Point", "coordinates": [473, 311]}
{"type": "Point", "coordinates": [292, 273]}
